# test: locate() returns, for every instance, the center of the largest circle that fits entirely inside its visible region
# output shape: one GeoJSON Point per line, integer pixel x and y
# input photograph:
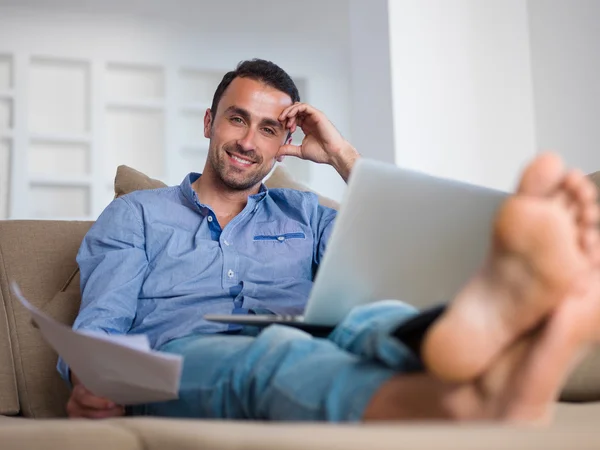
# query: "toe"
{"type": "Point", "coordinates": [589, 240]}
{"type": "Point", "coordinates": [542, 176]}
{"type": "Point", "coordinates": [587, 191]}
{"type": "Point", "coordinates": [589, 215]}
{"type": "Point", "coordinates": [580, 187]}
{"type": "Point", "coordinates": [595, 256]}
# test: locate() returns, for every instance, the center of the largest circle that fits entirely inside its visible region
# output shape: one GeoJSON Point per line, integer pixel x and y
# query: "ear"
{"type": "Point", "coordinates": [208, 123]}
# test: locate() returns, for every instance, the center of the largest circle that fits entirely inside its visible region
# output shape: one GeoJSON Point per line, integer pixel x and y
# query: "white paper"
{"type": "Point", "coordinates": [137, 341]}
{"type": "Point", "coordinates": [122, 369]}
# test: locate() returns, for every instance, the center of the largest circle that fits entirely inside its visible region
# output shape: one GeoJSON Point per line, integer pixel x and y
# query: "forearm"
{"type": "Point", "coordinates": [73, 379]}
{"type": "Point", "coordinates": [344, 160]}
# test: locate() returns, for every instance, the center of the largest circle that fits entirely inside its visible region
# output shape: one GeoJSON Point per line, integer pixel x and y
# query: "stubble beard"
{"type": "Point", "coordinates": [217, 159]}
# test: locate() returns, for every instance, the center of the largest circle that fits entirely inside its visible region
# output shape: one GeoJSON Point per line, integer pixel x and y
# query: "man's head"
{"type": "Point", "coordinates": [242, 123]}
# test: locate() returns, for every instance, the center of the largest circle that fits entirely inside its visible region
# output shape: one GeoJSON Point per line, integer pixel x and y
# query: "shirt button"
{"type": "Point", "coordinates": [281, 238]}
{"type": "Point", "coordinates": [209, 218]}
{"type": "Point", "coordinates": [230, 273]}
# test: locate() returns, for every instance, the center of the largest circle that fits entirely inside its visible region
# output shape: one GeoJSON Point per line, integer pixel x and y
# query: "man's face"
{"type": "Point", "coordinates": [245, 135]}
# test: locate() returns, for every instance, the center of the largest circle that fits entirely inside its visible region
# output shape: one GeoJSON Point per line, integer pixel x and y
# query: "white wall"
{"type": "Point", "coordinates": [372, 116]}
{"type": "Point", "coordinates": [565, 47]}
{"type": "Point", "coordinates": [462, 93]}
{"type": "Point", "coordinates": [207, 35]}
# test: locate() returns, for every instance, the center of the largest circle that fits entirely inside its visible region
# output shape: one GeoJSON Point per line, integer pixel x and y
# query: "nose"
{"type": "Point", "coordinates": [246, 142]}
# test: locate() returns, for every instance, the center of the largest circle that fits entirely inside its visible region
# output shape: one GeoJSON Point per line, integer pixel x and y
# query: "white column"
{"type": "Point", "coordinates": [371, 119]}
{"type": "Point", "coordinates": [565, 49]}
{"type": "Point", "coordinates": [462, 89]}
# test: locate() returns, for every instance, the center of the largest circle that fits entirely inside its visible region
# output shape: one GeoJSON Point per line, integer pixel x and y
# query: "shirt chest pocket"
{"type": "Point", "coordinates": [283, 254]}
{"type": "Point", "coordinates": [281, 238]}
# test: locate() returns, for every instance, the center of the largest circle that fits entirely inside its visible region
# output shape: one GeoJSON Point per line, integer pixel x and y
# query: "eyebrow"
{"type": "Point", "coordinates": [246, 116]}
{"type": "Point", "coordinates": [272, 123]}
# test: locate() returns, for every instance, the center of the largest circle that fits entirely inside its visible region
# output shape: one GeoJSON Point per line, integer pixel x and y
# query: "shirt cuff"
{"type": "Point", "coordinates": [64, 371]}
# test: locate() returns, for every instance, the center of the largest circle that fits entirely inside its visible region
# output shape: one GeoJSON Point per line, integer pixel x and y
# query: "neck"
{"type": "Point", "coordinates": [222, 199]}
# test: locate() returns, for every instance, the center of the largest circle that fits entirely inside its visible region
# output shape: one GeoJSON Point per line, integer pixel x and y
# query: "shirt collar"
{"type": "Point", "coordinates": [191, 196]}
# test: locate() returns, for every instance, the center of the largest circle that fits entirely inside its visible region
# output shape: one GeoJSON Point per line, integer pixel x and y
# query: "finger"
{"type": "Point", "coordinates": [294, 123]}
{"type": "Point", "coordinates": [86, 399]}
{"type": "Point", "coordinates": [301, 108]}
{"type": "Point", "coordinates": [286, 110]}
{"type": "Point", "coordinates": [290, 123]}
{"type": "Point", "coordinates": [297, 109]}
{"type": "Point", "coordinates": [290, 150]}
{"type": "Point", "coordinates": [117, 411]}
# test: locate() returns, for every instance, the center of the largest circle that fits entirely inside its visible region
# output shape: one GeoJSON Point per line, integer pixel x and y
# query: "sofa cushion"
{"type": "Point", "coordinates": [281, 178]}
{"type": "Point", "coordinates": [158, 434]}
{"type": "Point", "coordinates": [128, 180]}
{"type": "Point", "coordinates": [40, 257]}
{"type": "Point", "coordinates": [595, 177]}
{"type": "Point", "coordinates": [66, 435]}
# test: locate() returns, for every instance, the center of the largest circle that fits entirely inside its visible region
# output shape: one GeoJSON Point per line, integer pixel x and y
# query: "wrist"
{"type": "Point", "coordinates": [73, 379]}
{"type": "Point", "coordinates": [343, 160]}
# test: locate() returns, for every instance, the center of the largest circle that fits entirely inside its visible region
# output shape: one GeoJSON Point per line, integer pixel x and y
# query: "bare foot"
{"type": "Point", "coordinates": [521, 385]}
{"type": "Point", "coordinates": [545, 240]}
{"type": "Point", "coordinates": [525, 382]}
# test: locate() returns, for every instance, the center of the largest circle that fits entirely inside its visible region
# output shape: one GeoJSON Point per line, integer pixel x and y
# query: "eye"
{"type": "Point", "coordinates": [269, 131]}
{"type": "Point", "coordinates": [236, 120]}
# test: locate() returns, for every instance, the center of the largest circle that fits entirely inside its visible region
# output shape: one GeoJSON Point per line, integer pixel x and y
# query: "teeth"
{"type": "Point", "coordinates": [240, 160]}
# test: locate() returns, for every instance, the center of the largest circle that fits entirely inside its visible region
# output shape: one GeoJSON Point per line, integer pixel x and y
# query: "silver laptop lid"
{"type": "Point", "coordinates": [401, 235]}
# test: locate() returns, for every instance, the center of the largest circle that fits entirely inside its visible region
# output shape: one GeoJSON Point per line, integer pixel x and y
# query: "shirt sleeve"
{"type": "Point", "coordinates": [325, 219]}
{"type": "Point", "coordinates": [112, 261]}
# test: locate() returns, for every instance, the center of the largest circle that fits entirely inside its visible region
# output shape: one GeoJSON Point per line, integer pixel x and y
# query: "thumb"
{"type": "Point", "coordinates": [290, 150]}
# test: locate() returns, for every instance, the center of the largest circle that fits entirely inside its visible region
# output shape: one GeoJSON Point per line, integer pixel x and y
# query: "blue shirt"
{"type": "Point", "coordinates": [156, 261]}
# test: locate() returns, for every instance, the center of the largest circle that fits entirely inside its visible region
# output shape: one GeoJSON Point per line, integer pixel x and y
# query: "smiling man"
{"type": "Point", "coordinates": [157, 261]}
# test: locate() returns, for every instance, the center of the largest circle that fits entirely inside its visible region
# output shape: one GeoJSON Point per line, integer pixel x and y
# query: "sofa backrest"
{"type": "Point", "coordinates": [9, 398]}
{"type": "Point", "coordinates": [40, 257]}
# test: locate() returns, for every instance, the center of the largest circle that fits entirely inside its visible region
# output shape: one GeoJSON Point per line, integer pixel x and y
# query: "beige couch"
{"type": "Point", "coordinates": [40, 257]}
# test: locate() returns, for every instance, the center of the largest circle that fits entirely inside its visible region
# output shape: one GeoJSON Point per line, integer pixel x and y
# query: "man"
{"type": "Point", "coordinates": [156, 261]}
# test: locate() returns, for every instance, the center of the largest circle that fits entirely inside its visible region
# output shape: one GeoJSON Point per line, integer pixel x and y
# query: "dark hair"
{"type": "Point", "coordinates": [260, 70]}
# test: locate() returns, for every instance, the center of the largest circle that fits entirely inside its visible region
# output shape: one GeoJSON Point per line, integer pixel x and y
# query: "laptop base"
{"type": "Point", "coordinates": [258, 320]}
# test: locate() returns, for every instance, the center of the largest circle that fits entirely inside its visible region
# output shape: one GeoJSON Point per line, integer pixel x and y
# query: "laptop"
{"type": "Point", "coordinates": [400, 235]}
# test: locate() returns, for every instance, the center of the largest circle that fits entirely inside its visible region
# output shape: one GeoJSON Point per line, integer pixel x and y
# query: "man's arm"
{"type": "Point", "coordinates": [322, 142]}
{"type": "Point", "coordinates": [112, 261]}
{"type": "Point", "coordinates": [322, 225]}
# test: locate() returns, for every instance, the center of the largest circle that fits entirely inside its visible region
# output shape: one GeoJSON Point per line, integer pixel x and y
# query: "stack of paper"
{"type": "Point", "coordinates": [120, 368]}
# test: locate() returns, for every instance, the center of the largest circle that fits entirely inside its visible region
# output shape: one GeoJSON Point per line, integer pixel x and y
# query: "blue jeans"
{"type": "Point", "coordinates": [281, 373]}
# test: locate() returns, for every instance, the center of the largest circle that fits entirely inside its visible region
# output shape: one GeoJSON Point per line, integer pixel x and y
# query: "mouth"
{"type": "Point", "coordinates": [239, 161]}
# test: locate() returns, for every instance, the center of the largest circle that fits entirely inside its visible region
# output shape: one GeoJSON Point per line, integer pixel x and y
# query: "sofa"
{"type": "Point", "coordinates": [40, 257]}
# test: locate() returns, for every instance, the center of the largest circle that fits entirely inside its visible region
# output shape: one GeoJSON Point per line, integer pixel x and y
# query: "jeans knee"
{"type": "Point", "coordinates": [282, 333]}
{"type": "Point", "coordinates": [376, 313]}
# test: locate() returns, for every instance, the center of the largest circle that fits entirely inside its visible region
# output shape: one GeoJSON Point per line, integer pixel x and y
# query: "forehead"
{"type": "Point", "coordinates": [257, 98]}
